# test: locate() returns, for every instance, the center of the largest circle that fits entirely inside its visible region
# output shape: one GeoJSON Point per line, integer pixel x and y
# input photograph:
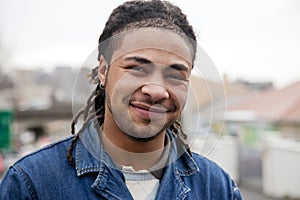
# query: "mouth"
{"type": "Point", "coordinates": [147, 111]}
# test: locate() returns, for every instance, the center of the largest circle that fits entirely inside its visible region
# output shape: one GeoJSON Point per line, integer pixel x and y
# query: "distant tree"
{"type": "Point", "coordinates": [5, 80]}
{"type": "Point", "coordinates": [5, 53]}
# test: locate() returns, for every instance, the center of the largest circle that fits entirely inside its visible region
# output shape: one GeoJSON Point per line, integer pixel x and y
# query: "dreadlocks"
{"type": "Point", "coordinates": [129, 16]}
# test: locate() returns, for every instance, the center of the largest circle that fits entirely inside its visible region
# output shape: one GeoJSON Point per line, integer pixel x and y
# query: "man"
{"type": "Point", "coordinates": [130, 145]}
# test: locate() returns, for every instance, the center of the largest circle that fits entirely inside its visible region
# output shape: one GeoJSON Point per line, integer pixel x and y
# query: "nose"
{"type": "Point", "coordinates": [156, 91]}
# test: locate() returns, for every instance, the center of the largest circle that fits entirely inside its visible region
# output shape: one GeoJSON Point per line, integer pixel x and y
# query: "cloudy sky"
{"type": "Point", "coordinates": [256, 40]}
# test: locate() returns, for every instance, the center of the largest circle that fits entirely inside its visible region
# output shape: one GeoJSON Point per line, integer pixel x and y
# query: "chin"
{"type": "Point", "coordinates": [143, 132]}
{"type": "Point", "coordinates": [144, 139]}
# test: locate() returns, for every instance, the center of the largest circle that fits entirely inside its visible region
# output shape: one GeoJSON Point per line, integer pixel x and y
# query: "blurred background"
{"type": "Point", "coordinates": [254, 133]}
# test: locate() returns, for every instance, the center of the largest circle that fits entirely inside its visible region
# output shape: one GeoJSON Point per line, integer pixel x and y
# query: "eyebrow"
{"type": "Point", "coordinates": [179, 67]}
{"type": "Point", "coordinates": [139, 59]}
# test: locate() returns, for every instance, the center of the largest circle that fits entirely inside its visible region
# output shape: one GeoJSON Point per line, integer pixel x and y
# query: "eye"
{"type": "Point", "coordinates": [176, 77]}
{"type": "Point", "coordinates": [176, 74]}
{"type": "Point", "coordinates": [138, 70]}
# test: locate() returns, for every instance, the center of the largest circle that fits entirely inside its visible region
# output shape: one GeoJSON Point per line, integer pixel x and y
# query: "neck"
{"type": "Point", "coordinates": [129, 152]}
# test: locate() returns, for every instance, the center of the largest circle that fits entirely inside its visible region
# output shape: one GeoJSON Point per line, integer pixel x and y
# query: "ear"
{"type": "Point", "coordinates": [102, 70]}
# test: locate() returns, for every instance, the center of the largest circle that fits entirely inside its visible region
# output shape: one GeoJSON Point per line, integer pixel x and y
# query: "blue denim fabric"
{"type": "Point", "coordinates": [46, 174]}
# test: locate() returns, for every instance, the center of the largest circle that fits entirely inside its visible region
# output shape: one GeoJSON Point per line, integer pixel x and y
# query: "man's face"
{"type": "Point", "coordinates": [147, 83]}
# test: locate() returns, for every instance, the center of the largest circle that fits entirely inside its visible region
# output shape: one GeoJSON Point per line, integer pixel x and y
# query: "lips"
{"type": "Point", "coordinates": [147, 111]}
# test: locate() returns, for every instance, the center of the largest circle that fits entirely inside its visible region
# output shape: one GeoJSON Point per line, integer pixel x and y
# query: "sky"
{"type": "Point", "coordinates": [255, 40]}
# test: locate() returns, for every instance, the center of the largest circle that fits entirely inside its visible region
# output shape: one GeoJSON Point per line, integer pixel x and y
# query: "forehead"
{"type": "Point", "coordinates": [153, 38]}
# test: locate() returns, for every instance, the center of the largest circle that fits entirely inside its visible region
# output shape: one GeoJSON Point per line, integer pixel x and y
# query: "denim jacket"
{"type": "Point", "coordinates": [47, 174]}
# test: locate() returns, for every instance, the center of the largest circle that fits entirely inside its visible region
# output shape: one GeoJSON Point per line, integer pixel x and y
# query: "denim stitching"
{"type": "Point", "coordinates": [27, 181]}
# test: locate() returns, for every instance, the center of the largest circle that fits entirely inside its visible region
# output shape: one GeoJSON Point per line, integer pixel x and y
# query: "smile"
{"type": "Point", "coordinates": [148, 111]}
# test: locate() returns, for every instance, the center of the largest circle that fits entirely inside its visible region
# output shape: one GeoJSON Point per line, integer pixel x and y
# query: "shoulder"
{"type": "Point", "coordinates": [32, 172]}
{"type": "Point", "coordinates": [205, 163]}
{"type": "Point", "coordinates": [49, 149]}
{"type": "Point", "coordinates": [217, 179]}
{"type": "Point", "coordinates": [209, 168]}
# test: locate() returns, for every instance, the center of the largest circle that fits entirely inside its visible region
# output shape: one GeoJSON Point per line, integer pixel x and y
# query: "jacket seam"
{"type": "Point", "coordinates": [28, 182]}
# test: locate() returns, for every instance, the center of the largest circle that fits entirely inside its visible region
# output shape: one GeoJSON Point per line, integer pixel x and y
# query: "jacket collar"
{"type": "Point", "coordinates": [90, 155]}
{"type": "Point", "coordinates": [184, 164]}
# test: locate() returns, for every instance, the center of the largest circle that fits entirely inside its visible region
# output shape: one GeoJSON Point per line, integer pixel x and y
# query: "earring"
{"type": "Point", "coordinates": [101, 86]}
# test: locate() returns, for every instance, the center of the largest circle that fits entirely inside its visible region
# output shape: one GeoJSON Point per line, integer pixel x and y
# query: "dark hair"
{"type": "Point", "coordinates": [129, 16]}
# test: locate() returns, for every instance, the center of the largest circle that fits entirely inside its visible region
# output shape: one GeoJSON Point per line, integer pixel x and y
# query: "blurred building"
{"type": "Point", "coordinates": [260, 86]}
{"type": "Point", "coordinates": [62, 84]}
{"type": "Point", "coordinates": [7, 95]}
{"type": "Point", "coordinates": [208, 100]}
{"type": "Point", "coordinates": [6, 82]}
{"type": "Point", "coordinates": [31, 90]}
{"type": "Point", "coordinates": [268, 127]}
{"type": "Point", "coordinates": [278, 108]}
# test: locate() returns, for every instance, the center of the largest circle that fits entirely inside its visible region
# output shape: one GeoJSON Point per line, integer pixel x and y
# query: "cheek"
{"type": "Point", "coordinates": [179, 97]}
{"type": "Point", "coordinates": [122, 86]}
